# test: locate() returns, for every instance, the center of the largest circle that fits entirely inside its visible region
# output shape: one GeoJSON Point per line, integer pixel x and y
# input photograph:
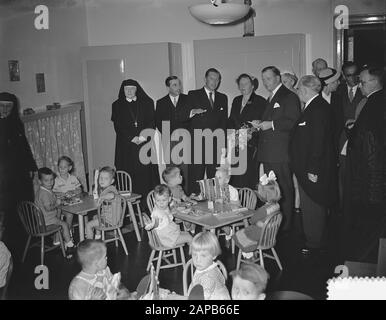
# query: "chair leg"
{"type": "Point", "coordinates": [26, 248]}
{"type": "Point", "coordinates": [116, 238]}
{"type": "Point", "coordinates": [182, 256]}
{"type": "Point", "coordinates": [261, 258]}
{"type": "Point", "coordinates": [103, 235]}
{"type": "Point", "coordinates": [123, 242]}
{"type": "Point", "coordinates": [140, 215]}
{"type": "Point", "coordinates": [277, 259]}
{"type": "Point", "coordinates": [174, 256]}
{"type": "Point", "coordinates": [150, 260]}
{"type": "Point", "coordinates": [62, 244]}
{"type": "Point", "coordinates": [238, 260]}
{"type": "Point", "coordinates": [161, 253]}
{"type": "Point", "coordinates": [42, 251]}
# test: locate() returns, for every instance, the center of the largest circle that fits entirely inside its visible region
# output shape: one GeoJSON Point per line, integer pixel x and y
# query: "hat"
{"type": "Point", "coordinates": [329, 75]}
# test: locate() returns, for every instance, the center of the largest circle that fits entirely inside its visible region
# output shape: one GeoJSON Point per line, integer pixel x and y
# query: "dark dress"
{"type": "Point", "coordinates": [129, 119]}
{"type": "Point", "coordinates": [16, 163]}
{"type": "Point", "coordinates": [253, 110]}
{"type": "Point", "coordinates": [365, 188]}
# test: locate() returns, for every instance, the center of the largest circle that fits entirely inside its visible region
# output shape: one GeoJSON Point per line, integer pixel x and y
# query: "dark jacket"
{"type": "Point", "coordinates": [213, 118]}
{"type": "Point", "coordinates": [283, 110]}
{"type": "Point", "coordinates": [312, 151]}
{"type": "Point", "coordinates": [166, 111]}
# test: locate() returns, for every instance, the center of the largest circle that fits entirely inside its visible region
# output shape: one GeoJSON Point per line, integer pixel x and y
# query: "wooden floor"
{"type": "Point", "coordinates": [304, 274]}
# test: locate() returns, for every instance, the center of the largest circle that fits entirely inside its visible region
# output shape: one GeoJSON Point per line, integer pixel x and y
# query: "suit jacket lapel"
{"type": "Point", "coordinates": [205, 99]}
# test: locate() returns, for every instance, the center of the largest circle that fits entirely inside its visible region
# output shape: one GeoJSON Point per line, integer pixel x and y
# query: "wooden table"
{"type": "Point", "coordinates": [88, 204]}
{"type": "Point", "coordinates": [211, 221]}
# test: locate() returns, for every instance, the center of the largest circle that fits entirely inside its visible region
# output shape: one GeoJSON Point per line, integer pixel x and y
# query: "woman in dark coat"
{"type": "Point", "coordinates": [247, 107]}
{"type": "Point", "coordinates": [132, 113]}
{"type": "Point", "coordinates": [17, 165]}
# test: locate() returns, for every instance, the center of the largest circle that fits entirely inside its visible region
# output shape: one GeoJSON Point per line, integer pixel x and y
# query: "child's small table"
{"type": "Point", "coordinates": [88, 204]}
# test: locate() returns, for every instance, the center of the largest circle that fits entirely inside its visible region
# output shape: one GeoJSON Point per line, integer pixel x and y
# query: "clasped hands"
{"type": "Point", "coordinates": [262, 125]}
{"type": "Point", "coordinates": [312, 177]}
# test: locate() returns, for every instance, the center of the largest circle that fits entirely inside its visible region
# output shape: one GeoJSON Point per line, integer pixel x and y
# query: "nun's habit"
{"type": "Point", "coordinates": [129, 119]}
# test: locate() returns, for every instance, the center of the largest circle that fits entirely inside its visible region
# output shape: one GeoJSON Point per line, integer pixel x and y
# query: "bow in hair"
{"type": "Point", "coordinates": [264, 179]}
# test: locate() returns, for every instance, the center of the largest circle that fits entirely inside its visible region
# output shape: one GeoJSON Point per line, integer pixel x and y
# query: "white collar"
{"type": "Point", "coordinates": [174, 97]}
{"type": "Point", "coordinates": [275, 90]}
{"type": "Point", "coordinates": [309, 101]}
{"type": "Point", "coordinates": [208, 91]}
{"type": "Point", "coordinates": [130, 100]}
{"type": "Point", "coordinates": [326, 96]}
{"type": "Point", "coordinates": [212, 266]}
{"type": "Point", "coordinates": [373, 93]}
{"type": "Point", "coordinates": [50, 191]}
{"type": "Point", "coordinates": [352, 88]}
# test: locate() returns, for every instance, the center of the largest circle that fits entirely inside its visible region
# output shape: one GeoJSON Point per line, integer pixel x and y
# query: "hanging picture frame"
{"type": "Point", "coordinates": [14, 70]}
{"type": "Point", "coordinates": [40, 83]}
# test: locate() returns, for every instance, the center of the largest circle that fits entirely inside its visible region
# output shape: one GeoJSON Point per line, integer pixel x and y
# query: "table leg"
{"type": "Point", "coordinates": [81, 227]}
{"type": "Point", "coordinates": [134, 221]}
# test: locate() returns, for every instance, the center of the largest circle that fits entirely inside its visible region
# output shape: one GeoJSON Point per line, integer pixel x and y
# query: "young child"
{"type": "Point", "coordinates": [94, 282]}
{"type": "Point", "coordinates": [66, 184]}
{"type": "Point", "coordinates": [249, 282]}
{"type": "Point", "coordinates": [5, 257]}
{"type": "Point", "coordinates": [223, 176]}
{"type": "Point", "coordinates": [168, 231]}
{"type": "Point", "coordinates": [268, 192]}
{"type": "Point", "coordinates": [172, 176]}
{"type": "Point", "coordinates": [47, 201]}
{"type": "Point", "coordinates": [205, 249]}
{"type": "Point", "coordinates": [107, 191]}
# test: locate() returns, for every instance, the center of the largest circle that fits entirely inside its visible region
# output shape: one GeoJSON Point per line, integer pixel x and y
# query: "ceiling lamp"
{"type": "Point", "coordinates": [219, 13]}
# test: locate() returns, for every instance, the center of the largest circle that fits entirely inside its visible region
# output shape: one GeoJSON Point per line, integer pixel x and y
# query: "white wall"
{"type": "Point", "coordinates": [54, 52]}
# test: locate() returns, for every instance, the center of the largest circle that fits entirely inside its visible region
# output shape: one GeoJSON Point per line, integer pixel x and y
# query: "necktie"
{"type": "Point", "coordinates": [351, 94]}
{"type": "Point", "coordinates": [270, 97]}
{"type": "Point", "coordinates": [175, 101]}
{"type": "Point", "coordinates": [211, 99]}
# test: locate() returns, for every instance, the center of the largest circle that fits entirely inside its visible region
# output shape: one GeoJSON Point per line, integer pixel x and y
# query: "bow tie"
{"type": "Point", "coordinates": [130, 100]}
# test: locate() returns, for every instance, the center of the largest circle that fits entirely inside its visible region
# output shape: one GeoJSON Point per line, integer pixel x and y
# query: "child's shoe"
{"type": "Point", "coordinates": [247, 255]}
{"type": "Point", "coordinates": [98, 236]}
{"type": "Point", "coordinates": [70, 249]}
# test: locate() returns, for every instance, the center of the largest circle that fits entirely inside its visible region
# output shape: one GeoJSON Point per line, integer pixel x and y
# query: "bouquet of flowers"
{"type": "Point", "coordinates": [239, 139]}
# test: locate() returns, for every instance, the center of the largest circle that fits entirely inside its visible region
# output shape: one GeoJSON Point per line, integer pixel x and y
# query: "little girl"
{"type": "Point", "coordinates": [168, 231]}
{"type": "Point", "coordinates": [66, 184]}
{"type": "Point", "coordinates": [268, 192]}
{"type": "Point", "coordinates": [205, 249]}
{"type": "Point", "coordinates": [107, 191]}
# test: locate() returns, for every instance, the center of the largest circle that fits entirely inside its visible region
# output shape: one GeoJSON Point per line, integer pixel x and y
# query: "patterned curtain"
{"type": "Point", "coordinates": [54, 136]}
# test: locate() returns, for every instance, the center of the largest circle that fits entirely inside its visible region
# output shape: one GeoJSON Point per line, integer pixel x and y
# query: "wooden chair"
{"type": "Point", "coordinates": [288, 295]}
{"type": "Point", "coordinates": [118, 207]}
{"type": "Point", "coordinates": [3, 290]}
{"type": "Point", "coordinates": [190, 267]}
{"type": "Point", "coordinates": [163, 252]}
{"type": "Point", "coordinates": [34, 224]}
{"type": "Point", "coordinates": [124, 183]}
{"type": "Point", "coordinates": [267, 241]}
{"type": "Point", "coordinates": [150, 200]}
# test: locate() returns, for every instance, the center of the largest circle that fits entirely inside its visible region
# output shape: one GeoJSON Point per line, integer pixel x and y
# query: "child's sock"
{"type": "Point", "coordinates": [98, 236]}
{"type": "Point", "coordinates": [69, 244]}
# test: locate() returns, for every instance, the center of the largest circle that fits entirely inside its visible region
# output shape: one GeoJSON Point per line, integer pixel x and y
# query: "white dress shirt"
{"type": "Point", "coordinates": [326, 97]}
{"type": "Point", "coordinates": [207, 93]}
{"type": "Point", "coordinates": [354, 90]}
{"type": "Point", "coordinates": [174, 98]}
{"type": "Point", "coordinates": [274, 91]}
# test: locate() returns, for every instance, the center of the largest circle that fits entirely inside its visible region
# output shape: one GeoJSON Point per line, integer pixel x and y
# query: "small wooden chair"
{"type": "Point", "coordinates": [3, 290]}
{"type": "Point", "coordinates": [189, 266]}
{"type": "Point", "coordinates": [163, 252]}
{"type": "Point", "coordinates": [267, 241]}
{"type": "Point", "coordinates": [34, 224]}
{"type": "Point", "coordinates": [150, 200]}
{"type": "Point", "coordinates": [118, 205]}
{"type": "Point", "coordinates": [124, 184]}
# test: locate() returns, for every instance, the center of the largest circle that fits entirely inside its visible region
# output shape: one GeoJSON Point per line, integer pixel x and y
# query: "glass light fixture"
{"type": "Point", "coordinates": [217, 12]}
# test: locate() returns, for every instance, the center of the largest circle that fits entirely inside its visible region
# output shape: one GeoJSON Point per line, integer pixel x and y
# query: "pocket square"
{"type": "Point", "coordinates": [302, 124]}
{"type": "Point", "coordinates": [276, 105]}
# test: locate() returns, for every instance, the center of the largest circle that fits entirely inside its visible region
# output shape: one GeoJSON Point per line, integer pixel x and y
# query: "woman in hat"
{"type": "Point", "coordinates": [133, 112]}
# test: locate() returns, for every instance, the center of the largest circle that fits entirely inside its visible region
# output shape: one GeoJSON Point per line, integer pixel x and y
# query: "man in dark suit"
{"type": "Point", "coordinates": [168, 110]}
{"type": "Point", "coordinates": [312, 158]}
{"type": "Point", "coordinates": [280, 114]}
{"type": "Point", "coordinates": [206, 108]}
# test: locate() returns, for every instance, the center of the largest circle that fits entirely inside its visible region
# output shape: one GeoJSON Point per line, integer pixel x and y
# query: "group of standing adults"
{"type": "Point", "coordinates": [309, 132]}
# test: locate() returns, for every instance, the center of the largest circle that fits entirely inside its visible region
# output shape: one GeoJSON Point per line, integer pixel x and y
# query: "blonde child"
{"type": "Point", "coordinates": [223, 176]}
{"type": "Point", "coordinates": [173, 178]}
{"type": "Point", "coordinates": [66, 184]}
{"type": "Point", "coordinates": [47, 201]}
{"type": "Point", "coordinates": [107, 191]}
{"type": "Point", "coordinates": [268, 192]}
{"type": "Point", "coordinates": [94, 282]}
{"type": "Point", "coordinates": [168, 231]}
{"type": "Point", "coordinates": [249, 282]}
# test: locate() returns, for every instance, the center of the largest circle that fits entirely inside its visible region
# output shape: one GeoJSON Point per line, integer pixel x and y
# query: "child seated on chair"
{"type": "Point", "coordinates": [66, 184]}
{"type": "Point", "coordinates": [95, 281]}
{"type": "Point", "coordinates": [172, 176]}
{"type": "Point", "coordinates": [268, 192]}
{"type": "Point", "coordinates": [249, 282]}
{"type": "Point", "coordinates": [47, 201]}
{"type": "Point", "coordinates": [223, 176]}
{"type": "Point", "coordinates": [107, 191]}
{"type": "Point", "coordinates": [168, 231]}
{"type": "Point", "coordinates": [5, 256]}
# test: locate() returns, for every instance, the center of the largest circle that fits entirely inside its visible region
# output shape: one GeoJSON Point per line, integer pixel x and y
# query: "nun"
{"type": "Point", "coordinates": [133, 112]}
